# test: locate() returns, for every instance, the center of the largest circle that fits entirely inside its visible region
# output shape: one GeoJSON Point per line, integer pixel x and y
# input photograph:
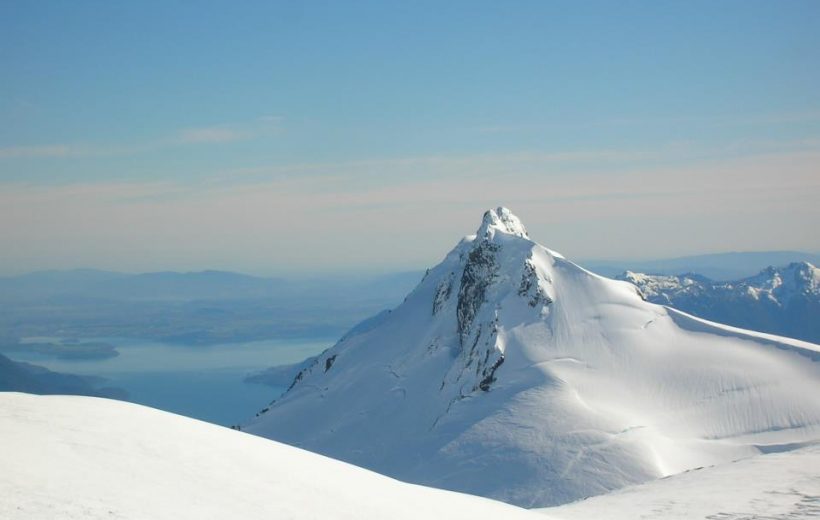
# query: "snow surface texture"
{"type": "Point", "coordinates": [776, 486]}
{"type": "Point", "coordinates": [512, 373]}
{"type": "Point", "coordinates": [781, 300]}
{"type": "Point", "coordinates": [67, 457]}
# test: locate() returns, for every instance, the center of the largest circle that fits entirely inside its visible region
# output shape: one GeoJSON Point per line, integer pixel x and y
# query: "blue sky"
{"type": "Point", "coordinates": [276, 137]}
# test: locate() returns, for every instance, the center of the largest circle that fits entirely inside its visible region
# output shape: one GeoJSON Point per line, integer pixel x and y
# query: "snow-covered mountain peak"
{"type": "Point", "coordinates": [501, 220]}
{"type": "Point", "coordinates": [510, 372]}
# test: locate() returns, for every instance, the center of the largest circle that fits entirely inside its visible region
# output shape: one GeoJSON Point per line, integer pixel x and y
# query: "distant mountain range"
{"type": "Point", "coordinates": [191, 308]}
{"type": "Point", "coordinates": [779, 300]}
{"type": "Point", "coordinates": [170, 286]}
{"type": "Point", "coordinates": [221, 285]}
{"type": "Point", "coordinates": [158, 286]}
{"type": "Point", "coordinates": [719, 266]}
{"type": "Point", "coordinates": [220, 307]}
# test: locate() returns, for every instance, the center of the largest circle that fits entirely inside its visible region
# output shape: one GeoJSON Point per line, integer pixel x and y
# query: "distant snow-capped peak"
{"type": "Point", "coordinates": [780, 300]}
{"type": "Point", "coordinates": [777, 284]}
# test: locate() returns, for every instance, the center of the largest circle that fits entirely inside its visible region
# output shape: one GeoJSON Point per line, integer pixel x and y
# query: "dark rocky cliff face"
{"type": "Point", "coordinates": [480, 272]}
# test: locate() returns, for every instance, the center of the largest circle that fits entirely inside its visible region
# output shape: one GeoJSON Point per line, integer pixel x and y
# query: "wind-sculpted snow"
{"type": "Point", "coordinates": [512, 373]}
{"type": "Point", "coordinates": [65, 457]}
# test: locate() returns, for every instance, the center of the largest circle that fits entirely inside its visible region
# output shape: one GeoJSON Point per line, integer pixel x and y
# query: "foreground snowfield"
{"type": "Point", "coordinates": [778, 485]}
{"type": "Point", "coordinates": [67, 457]}
{"type": "Point", "coordinates": [73, 457]}
{"type": "Point", "coordinates": [512, 373]}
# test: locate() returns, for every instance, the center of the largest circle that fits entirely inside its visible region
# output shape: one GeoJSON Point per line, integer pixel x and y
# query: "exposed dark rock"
{"type": "Point", "coordinates": [480, 271]}
{"type": "Point", "coordinates": [443, 291]}
{"type": "Point", "coordinates": [489, 378]}
{"type": "Point", "coordinates": [530, 288]}
{"type": "Point", "coordinates": [298, 378]}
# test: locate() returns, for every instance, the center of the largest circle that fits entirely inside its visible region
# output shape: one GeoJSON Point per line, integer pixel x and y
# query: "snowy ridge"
{"type": "Point", "coordinates": [84, 458]}
{"type": "Point", "coordinates": [512, 373]}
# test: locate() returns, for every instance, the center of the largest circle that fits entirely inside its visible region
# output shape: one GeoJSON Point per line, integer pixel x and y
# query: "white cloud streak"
{"type": "Point", "coordinates": [214, 134]}
{"type": "Point", "coordinates": [701, 121]}
{"type": "Point", "coordinates": [217, 134]}
{"type": "Point", "coordinates": [57, 150]}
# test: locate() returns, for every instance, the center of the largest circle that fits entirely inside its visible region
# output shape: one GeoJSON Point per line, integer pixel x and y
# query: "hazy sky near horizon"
{"type": "Point", "coordinates": [274, 137]}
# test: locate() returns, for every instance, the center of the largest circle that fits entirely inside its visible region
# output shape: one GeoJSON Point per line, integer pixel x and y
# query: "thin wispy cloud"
{"type": "Point", "coordinates": [227, 133]}
{"type": "Point", "coordinates": [57, 150]}
{"type": "Point", "coordinates": [703, 121]}
{"type": "Point", "coordinates": [212, 135]}
{"type": "Point", "coordinates": [330, 176]}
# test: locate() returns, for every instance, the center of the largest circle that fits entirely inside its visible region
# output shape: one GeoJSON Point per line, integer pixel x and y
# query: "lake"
{"type": "Point", "coordinates": [203, 381]}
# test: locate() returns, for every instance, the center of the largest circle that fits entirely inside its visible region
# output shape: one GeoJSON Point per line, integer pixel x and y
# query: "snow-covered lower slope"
{"type": "Point", "coordinates": [512, 373]}
{"type": "Point", "coordinates": [778, 485]}
{"type": "Point", "coordinates": [72, 457]}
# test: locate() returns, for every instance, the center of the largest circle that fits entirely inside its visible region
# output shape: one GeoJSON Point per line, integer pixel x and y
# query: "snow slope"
{"type": "Point", "coordinates": [79, 457]}
{"type": "Point", "coordinates": [778, 485]}
{"type": "Point", "coordinates": [512, 373]}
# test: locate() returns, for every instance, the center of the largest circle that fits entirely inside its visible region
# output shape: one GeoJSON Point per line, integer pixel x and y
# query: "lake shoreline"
{"type": "Point", "coordinates": [206, 382]}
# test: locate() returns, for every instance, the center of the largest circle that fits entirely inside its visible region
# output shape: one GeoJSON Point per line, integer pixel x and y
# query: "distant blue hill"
{"type": "Point", "coordinates": [191, 308]}
{"type": "Point", "coordinates": [23, 377]}
{"type": "Point", "coordinates": [90, 283]}
{"type": "Point", "coordinates": [85, 284]}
